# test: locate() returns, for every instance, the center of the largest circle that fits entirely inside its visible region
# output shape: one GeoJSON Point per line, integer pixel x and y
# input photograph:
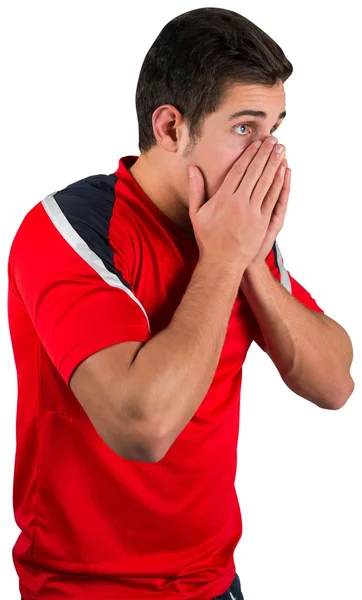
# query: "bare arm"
{"type": "Point", "coordinates": [142, 404]}
{"type": "Point", "coordinates": [172, 372]}
{"type": "Point", "coordinates": [140, 395]}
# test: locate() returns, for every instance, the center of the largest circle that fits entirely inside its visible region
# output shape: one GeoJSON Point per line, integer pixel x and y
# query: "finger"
{"type": "Point", "coordinates": [196, 190]}
{"type": "Point", "coordinates": [238, 170]}
{"type": "Point", "coordinates": [266, 178]}
{"type": "Point", "coordinates": [286, 185]}
{"type": "Point", "coordinates": [282, 203]}
{"type": "Point", "coordinates": [275, 193]}
{"type": "Point", "coordinates": [280, 207]}
{"type": "Point", "coordinates": [258, 164]}
{"type": "Point", "coordinates": [286, 178]}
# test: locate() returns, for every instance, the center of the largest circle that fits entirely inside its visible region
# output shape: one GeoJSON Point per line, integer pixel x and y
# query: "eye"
{"type": "Point", "coordinates": [241, 125]}
{"type": "Point", "coordinates": [253, 124]}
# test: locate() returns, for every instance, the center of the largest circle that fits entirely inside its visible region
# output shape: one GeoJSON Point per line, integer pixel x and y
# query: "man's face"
{"type": "Point", "coordinates": [223, 139]}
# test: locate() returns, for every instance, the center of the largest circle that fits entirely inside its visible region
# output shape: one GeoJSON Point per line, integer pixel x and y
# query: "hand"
{"type": "Point", "coordinates": [230, 227]}
{"type": "Point", "coordinates": [276, 221]}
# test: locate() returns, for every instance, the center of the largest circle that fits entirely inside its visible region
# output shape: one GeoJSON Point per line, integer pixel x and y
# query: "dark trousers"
{"type": "Point", "coordinates": [232, 593]}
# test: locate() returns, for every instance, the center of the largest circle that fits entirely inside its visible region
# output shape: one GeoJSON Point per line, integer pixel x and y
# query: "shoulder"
{"type": "Point", "coordinates": [86, 203]}
{"type": "Point", "coordinates": [79, 215]}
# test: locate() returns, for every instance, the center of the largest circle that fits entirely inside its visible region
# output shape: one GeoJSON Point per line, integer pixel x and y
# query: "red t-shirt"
{"type": "Point", "coordinates": [92, 265]}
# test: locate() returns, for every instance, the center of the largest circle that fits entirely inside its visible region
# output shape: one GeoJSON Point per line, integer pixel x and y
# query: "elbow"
{"type": "Point", "coordinates": [154, 438]}
{"type": "Point", "coordinates": [140, 452]}
{"type": "Point", "coordinates": [158, 442]}
{"type": "Point", "coordinates": [342, 396]}
{"type": "Point", "coordinates": [160, 451]}
{"type": "Point", "coordinates": [136, 440]}
{"type": "Point", "coordinates": [331, 401]}
{"type": "Point", "coordinates": [151, 445]}
{"type": "Point", "coordinates": [157, 446]}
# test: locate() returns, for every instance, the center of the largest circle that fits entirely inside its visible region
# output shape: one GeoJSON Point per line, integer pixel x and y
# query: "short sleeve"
{"type": "Point", "coordinates": [276, 265]}
{"type": "Point", "coordinates": [76, 291]}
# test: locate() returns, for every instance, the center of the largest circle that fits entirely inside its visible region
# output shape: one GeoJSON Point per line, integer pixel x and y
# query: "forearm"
{"type": "Point", "coordinates": [175, 368]}
{"type": "Point", "coordinates": [312, 353]}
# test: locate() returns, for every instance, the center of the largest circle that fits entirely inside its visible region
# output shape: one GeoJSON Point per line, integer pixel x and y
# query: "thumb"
{"type": "Point", "coordinates": [196, 190]}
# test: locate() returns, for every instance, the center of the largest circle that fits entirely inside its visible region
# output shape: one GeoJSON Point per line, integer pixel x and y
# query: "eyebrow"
{"type": "Point", "coordinates": [254, 113]}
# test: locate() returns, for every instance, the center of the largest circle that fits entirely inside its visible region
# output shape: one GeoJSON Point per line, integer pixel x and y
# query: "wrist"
{"type": "Point", "coordinates": [254, 269]}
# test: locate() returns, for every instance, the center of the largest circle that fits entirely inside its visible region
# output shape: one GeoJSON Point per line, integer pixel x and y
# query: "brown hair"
{"type": "Point", "coordinates": [195, 59]}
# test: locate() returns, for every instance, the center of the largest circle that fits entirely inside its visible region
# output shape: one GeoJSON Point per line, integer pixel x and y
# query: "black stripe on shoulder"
{"type": "Point", "coordinates": [88, 206]}
{"type": "Point", "coordinates": [275, 256]}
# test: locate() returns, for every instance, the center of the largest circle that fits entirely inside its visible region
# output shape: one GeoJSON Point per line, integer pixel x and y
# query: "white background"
{"type": "Point", "coordinates": [69, 72]}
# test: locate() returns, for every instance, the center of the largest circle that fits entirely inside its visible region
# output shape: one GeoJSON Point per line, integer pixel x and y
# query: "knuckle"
{"type": "Point", "coordinates": [239, 169]}
{"type": "Point", "coordinates": [254, 171]}
{"type": "Point", "coordinates": [264, 181]}
{"type": "Point", "coordinates": [272, 194]}
{"type": "Point", "coordinates": [276, 158]}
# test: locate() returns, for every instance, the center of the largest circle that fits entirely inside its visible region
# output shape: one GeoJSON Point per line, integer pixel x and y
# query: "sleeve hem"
{"type": "Point", "coordinates": [91, 346]}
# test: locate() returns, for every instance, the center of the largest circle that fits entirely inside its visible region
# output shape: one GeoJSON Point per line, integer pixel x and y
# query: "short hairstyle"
{"type": "Point", "coordinates": [195, 60]}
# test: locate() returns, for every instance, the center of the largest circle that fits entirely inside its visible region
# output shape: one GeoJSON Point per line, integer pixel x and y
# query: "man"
{"type": "Point", "coordinates": [133, 300]}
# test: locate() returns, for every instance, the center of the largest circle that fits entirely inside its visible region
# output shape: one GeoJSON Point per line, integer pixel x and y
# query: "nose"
{"type": "Point", "coordinates": [267, 135]}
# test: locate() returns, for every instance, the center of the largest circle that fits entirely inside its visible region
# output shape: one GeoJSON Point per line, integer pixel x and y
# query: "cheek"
{"type": "Point", "coordinates": [228, 150]}
{"type": "Point", "coordinates": [216, 159]}
{"type": "Point", "coordinates": [220, 166]}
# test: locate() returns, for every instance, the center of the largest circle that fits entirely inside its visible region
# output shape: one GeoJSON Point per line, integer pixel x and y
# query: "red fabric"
{"type": "Point", "coordinates": [94, 525]}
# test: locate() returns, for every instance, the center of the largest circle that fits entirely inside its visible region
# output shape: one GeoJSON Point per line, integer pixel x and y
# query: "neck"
{"type": "Point", "coordinates": [153, 177]}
